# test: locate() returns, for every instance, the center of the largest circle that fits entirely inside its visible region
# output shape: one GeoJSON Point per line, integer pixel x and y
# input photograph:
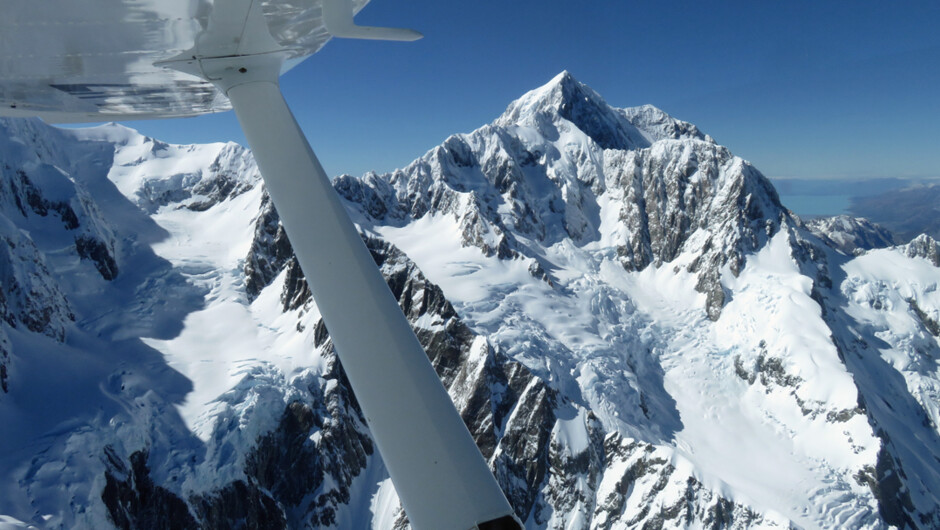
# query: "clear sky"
{"type": "Point", "coordinates": [800, 88]}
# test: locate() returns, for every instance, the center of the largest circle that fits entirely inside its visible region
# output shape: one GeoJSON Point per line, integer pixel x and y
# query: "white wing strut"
{"type": "Point", "coordinates": [441, 478]}
{"type": "Point", "coordinates": [440, 475]}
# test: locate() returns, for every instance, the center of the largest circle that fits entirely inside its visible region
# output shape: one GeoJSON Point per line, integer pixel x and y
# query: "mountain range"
{"type": "Point", "coordinates": [908, 210]}
{"type": "Point", "coordinates": [636, 331]}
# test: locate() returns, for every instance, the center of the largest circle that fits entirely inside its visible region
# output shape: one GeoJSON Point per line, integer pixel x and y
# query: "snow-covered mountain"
{"type": "Point", "coordinates": [851, 235]}
{"type": "Point", "coordinates": [636, 331]}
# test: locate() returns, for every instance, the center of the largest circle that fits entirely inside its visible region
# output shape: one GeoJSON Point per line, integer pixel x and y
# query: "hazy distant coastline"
{"type": "Point", "coordinates": [906, 206]}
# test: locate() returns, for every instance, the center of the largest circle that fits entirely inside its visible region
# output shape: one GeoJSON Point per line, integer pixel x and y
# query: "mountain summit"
{"type": "Point", "coordinates": [545, 169]}
{"type": "Point", "coordinates": [634, 329]}
{"type": "Point", "coordinates": [566, 98]}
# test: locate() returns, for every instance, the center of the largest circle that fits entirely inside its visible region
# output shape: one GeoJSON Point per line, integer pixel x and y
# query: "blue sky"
{"type": "Point", "coordinates": [801, 89]}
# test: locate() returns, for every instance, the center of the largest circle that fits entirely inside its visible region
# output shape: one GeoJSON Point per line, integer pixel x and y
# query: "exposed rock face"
{"type": "Point", "coordinates": [657, 125]}
{"type": "Point", "coordinates": [194, 188]}
{"type": "Point", "coordinates": [923, 246]}
{"type": "Point", "coordinates": [134, 501]}
{"type": "Point", "coordinates": [270, 250]}
{"type": "Point", "coordinates": [30, 294]}
{"type": "Point", "coordinates": [4, 361]}
{"type": "Point", "coordinates": [851, 235]}
{"type": "Point", "coordinates": [31, 297]}
{"type": "Point", "coordinates": [685, 196]}
{"type": "Point", "coordinates": [485, 386]}
{"type": "Point", "coordinates": [96, 251]}
{"type": "Point", "coordinates": [632, 464]}
{"type": "Point", "coordinates": [295, 475]}
{"type": "Point", "coordinates": [48, 196]}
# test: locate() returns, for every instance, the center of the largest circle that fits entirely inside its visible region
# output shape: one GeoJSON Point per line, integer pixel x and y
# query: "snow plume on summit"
{"type": "Point", "coordinates": [635, 331]}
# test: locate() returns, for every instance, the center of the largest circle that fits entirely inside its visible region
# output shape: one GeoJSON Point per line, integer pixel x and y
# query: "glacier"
{"type": "Point", "coordinates": [634, 328]}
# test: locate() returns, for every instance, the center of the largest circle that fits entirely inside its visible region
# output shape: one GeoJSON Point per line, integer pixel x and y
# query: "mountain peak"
{"type": "Point", "coordinates": [112, 132]}
{"type": "Point", "coordinates": [563, 90]}
{"type": "Point", "coordinates": [562, 87]}
{"type": "Point", "coordinates": [564, 98]}
{"type": "Point", "coordinates": [567, 83]}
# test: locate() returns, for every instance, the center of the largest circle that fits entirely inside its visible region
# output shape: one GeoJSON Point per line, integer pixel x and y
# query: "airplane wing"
{"type": "Point", "coordinates": [101, 60]}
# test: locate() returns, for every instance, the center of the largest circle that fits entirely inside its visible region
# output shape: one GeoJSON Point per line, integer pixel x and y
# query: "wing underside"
{"type": "Point", "coordinates": [101, 60]}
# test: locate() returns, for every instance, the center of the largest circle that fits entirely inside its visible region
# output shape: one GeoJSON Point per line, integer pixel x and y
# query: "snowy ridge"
{"type": "Point", "coordinates": [851, 235]}
{"type": "Point", "coordinates": [635, 331]}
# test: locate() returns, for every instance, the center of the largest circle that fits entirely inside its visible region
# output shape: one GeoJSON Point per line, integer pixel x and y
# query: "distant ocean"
{"type": "Point", "coordinates": [825, 197]}
{"type": "Point", "coordinates": [807, 206]}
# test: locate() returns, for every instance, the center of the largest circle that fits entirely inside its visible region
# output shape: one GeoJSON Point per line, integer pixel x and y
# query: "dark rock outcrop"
{"type": "Point", "coordinates": [95, 250]}
{"type": "Point", "coordinates": [924, 246]}
{"type": "Point", "coordinates": [134, 501]}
